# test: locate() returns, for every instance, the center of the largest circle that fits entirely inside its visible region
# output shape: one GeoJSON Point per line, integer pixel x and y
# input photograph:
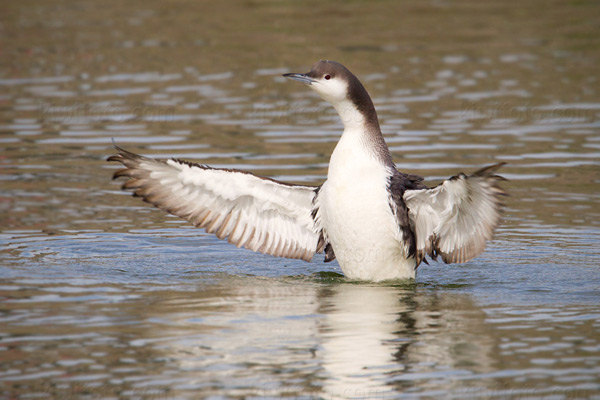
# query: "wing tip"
{"type": "Point", "coordinates": [123, 155]}
{"type": "Point", "coordinates": [490, 170]}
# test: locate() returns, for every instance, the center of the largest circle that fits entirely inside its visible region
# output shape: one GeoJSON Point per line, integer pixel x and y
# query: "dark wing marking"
{"type": "Point", "coordinates": [323, 245]}
{"type": "Point", "coordinates": [398, 184]}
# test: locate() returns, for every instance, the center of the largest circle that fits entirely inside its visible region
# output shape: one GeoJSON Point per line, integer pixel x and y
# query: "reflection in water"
{"type": "Point", "coordinates": [360, 325]}
{"type": "Point", "coordinates": [381, 340]}
{"type": "Point", "coordinates": [289, 337]}
{"type": "Point", "coordinates": [338, 341]}
{"type": "Point", "coordinates": [273, 337]}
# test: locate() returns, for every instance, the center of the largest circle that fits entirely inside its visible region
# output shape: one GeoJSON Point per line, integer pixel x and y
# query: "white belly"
{"type": "Point", "coordinates": [356, 215]}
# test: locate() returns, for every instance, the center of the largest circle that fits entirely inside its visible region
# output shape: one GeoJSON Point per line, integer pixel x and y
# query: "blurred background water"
{"type": "Point", "coordinates": [102, 296]}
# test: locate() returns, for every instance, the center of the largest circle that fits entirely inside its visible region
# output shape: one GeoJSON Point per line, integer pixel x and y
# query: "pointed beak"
{"type": "Point", "coordinates": [300, 78]}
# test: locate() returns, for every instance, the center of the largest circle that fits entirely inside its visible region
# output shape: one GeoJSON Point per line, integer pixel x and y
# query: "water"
{"type": "Point", "coordinates": [105, 297]}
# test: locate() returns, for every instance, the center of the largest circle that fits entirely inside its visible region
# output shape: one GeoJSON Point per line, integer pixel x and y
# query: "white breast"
{"type": "Point", "coordinates": [354, 207]}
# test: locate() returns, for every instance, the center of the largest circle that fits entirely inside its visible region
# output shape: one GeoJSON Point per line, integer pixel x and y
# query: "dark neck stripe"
{"type": "Point", "coordinates": [359, 96]}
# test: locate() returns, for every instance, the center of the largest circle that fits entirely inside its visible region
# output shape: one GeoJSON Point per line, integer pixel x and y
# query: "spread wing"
{"type": "Point", "coordinates": [257, 213]}
{"type": "Point", "coordinates": [457, 217]}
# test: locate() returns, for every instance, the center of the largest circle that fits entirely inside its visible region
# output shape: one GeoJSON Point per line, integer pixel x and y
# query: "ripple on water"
{"type": "Point", "coordinates": [107, 139]}
{"type": "Point", "coordinates": [36, 80]}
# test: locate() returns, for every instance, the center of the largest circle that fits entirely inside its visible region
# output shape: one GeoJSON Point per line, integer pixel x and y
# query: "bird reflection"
{"type": "Point", "coordinates": [308, 338]}
{"type": "Point", "coordinates": [377, 340]}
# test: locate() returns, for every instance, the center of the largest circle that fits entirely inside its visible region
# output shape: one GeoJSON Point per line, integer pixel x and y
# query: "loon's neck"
{"type": "Point", "coordinates": [360, 119]}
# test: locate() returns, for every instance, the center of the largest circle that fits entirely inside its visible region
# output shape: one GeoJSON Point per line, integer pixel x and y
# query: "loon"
{"type": "Point", "coordinates": [378, 222]}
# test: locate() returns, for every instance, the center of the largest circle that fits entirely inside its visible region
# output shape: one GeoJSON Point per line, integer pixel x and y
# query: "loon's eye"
{"type": "Point", "coordinates": [327, 77]}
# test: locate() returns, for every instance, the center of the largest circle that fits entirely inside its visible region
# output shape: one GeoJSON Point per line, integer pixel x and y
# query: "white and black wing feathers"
{"type": "Point", "coordinates": [456, 218]}
{"type": "Point", "coordinates": [260, 214]}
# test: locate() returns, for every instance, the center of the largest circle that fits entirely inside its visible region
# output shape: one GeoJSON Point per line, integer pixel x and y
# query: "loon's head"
{"type": "Point", "coordinates": [337, 85]}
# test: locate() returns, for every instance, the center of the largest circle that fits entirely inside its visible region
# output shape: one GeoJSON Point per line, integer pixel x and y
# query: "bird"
{"type": "Point", "coordinates": [378, 222]}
